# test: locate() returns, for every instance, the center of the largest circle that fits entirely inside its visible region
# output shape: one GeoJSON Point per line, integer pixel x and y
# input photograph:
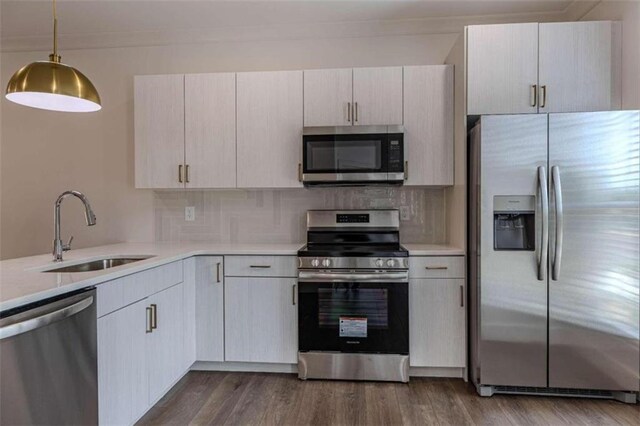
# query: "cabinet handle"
{"type": "Point", "coordinates": [461, 297]}
{"type": "Point", "coordinates": [406, 170]}
{"type": "Point", "coordinates": [534, 95]}
{"type": "Point", "coordinates": [355, 115]}
{"type": "Point", "coordinates": [436, 267]}
{"type": "Point", "coordinates": [154, 316]}
{"type": "Point", "coordinates": [218, 272]}
{"type": "Point", "coordinates": [543, 96]}
{"type": "Point", "coordinates": [180, 173]}
{"type": "Point", "coordinates": [293, 295]}
{"type": "Point", "coordinates": [299, 172]}
{"type": "Point", "coordinates": [186, 173]}
{"type": "Point", "coordinates": [149, 319]}
{"type": "Point", "coordinates": [348, 112]}
{"type": "Point", "coordinates": [260, 266]}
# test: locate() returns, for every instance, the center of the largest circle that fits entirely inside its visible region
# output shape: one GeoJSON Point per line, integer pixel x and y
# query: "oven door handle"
{"type": "Point", "coordinates": [336, 277]}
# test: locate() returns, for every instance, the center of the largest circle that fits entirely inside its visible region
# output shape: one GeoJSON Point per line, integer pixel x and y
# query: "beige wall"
{"type": "Point", "coordinates": [45, 153]}
{"type": "Point", "coordinates": [628, 12]}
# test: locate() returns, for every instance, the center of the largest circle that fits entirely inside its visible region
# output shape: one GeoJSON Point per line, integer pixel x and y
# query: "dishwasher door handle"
{"type": "Point", "coordinates": [44, 320]}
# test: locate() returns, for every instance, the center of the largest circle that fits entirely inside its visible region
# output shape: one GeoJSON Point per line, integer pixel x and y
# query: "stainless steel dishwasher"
{"type": "Point", "coordinates": [48, 362]}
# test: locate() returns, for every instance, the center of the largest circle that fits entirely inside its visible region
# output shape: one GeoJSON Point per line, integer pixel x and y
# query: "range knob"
{"type": "Point", "coordinates": [326, 263]}
{"type": "Point", "coordinates": [379, 263]}
{"type": "Point", "coordinates": [315, 263]}
{"type": "Point", "coordinates": [391, 263]}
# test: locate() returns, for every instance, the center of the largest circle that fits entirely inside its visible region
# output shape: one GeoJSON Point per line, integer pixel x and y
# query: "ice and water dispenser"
{"type": "Point", "coordinates": [514, 222]}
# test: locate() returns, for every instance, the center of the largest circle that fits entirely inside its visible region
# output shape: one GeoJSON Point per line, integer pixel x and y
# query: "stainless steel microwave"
{"type": "Point", "coordinates": [353, 155]}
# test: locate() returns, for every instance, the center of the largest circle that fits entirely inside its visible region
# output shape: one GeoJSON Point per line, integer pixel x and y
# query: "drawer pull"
{"type": "Point", "coordinates": [154, 317]}
{"type": "Point", "coordinates": [461, 297]}
{"type": "Point", "coordinates": [149, 319]}
{"type": "Point", "coordinates": [218, 272]}
{"type": "Point", "coordinates": [294, 295]}
{"type": "Point", "coordinates": [260, 266]}
{"type": "Point", "coordinates": [436, 267]}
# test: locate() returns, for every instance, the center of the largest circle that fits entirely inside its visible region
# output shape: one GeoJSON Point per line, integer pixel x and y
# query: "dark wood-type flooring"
{"type": "Point", "coordinates": [281, 399]}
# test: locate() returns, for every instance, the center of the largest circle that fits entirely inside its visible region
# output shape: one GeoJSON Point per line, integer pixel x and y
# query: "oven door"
{"type": "Point", "coordinates": [352, 158]}
{"type": "Point", "coordinates": [363, 312]}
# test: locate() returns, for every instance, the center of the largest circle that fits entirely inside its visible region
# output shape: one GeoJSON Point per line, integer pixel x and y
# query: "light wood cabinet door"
{"type": "Point", "coordinates": [377, 96]}
{"type": "Point", "coordinates": [210, 308]}
{"type": "Point", "coordinates": [159, 130]}
{"type": "Point", "coordinates": [428, 124]}
{"type": "Point", "coordinates": [165, 343]}
{"type": "Point", "coordinates": [580, 66]}
{"type": "Point", "coordinates": [269, 129]}
{"type": "Point", "coordinates": [502, 68]}
{"type": "Point", "coordinates": [123, 387]}
{"type": "Point", "coordinates": [437, 336]}
{"type": "Point", "coordinates": [210, 130]}
{"type": "Point", "coordinates": [328, 97]}
{"type": "Point", "coordinates": [261, 320]}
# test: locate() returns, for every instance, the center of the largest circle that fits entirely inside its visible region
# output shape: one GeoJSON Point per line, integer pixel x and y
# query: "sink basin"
{"type": "Point", "coordinates": [99, 264]}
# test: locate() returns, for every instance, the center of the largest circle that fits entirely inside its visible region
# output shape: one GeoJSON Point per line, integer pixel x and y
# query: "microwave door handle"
{"type": "Point", "coordinates": [544, 245]}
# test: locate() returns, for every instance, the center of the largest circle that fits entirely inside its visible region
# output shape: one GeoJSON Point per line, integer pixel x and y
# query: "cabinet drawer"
{"type": "Point", "coordinates": [260, 266]}
{"type": "Point", "coordinates": [436, 267]}
{"type": "Point", "coordinates": [115, 294]}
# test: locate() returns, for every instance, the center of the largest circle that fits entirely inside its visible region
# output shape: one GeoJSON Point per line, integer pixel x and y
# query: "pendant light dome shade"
{"type": "Point", "coordinates": [53, 86]}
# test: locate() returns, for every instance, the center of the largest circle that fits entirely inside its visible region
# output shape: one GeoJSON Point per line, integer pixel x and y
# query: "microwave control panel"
{"type": "Point", "coordinates": [396, 154]}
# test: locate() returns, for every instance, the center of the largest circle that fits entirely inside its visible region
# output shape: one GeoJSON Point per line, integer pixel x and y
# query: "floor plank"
{"type": "Point", "coordinates": [227, 398]}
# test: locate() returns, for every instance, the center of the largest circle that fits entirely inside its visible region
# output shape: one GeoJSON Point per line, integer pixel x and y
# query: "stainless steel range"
{"type": "Point", "coordinates": [353, 288]}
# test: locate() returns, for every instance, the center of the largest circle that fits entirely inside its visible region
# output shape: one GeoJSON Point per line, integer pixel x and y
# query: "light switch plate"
{"type": "Point", "coordinates": [190, 213]}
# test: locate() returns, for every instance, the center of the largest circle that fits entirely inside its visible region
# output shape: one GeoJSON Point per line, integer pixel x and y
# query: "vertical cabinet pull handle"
{"type": "Point", "coordinates": [299, 172]}
{"type": "Point", "coordinates": [461, 296]}
{"type": "Point", "coordinates": [154, 316]}
{"type": "Point", "coordinates": [355, 114]}
{"type": "Point", "coordinates": [406, 170]}
{"type": "Point", "coordinates": [534, 95]}
{"type": "Point", "coordinates": [180, 173]}
{"type": "Point", "coordinates": [186, 173]}
{"type": "Point", "coordinates": [348, 112]}
{"type": "Point", "coordinates": [543, 96]}
{"type": "Point", "coordinates": [149, 319]}
{"type": "Point", "coordinates": [293, 295]}
{"type": "Point", "coordinates": [218, 272]}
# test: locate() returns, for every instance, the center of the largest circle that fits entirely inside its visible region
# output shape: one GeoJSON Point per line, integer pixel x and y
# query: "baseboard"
{"type": "Point", "coordinates": [437, 372]}
{"type": "Point", "coordinates": [257, 367]}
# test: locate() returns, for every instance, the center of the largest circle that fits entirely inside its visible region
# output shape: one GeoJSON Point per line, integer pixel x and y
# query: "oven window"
{"type": "Point", "coordinates": [370, 304]}
{"type": "Point", "coordinates": [345, 155]}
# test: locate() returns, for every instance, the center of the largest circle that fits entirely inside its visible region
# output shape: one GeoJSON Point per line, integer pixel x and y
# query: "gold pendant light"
{"type": "Point", "coordinates": [53, 85]}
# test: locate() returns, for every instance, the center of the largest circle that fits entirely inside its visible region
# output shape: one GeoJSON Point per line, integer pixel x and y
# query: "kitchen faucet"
{"type": "Point", "coordinates": [58, 246]}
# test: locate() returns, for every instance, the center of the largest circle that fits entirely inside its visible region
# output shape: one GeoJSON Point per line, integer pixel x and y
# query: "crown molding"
{"type": "Point", "coordinates": [325, 30]}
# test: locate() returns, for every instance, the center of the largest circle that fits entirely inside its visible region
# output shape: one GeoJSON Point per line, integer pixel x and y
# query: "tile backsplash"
{"type": "Point", "coordinates": [263, 216]}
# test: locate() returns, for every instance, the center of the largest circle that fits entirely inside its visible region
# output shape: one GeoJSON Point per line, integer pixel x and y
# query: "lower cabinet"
{"type": "Point", "coordinates": [260, 322]}
{"type": "Point", "coordinates": [140, 355]}
{"type": "Point", "coordinates": [437, 336]}
{"type": "Point", "coordinates": [209, 300]}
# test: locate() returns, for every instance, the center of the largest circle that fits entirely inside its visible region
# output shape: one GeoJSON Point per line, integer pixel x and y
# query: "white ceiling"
{"type": "Point", "coordinates": [28, 22]}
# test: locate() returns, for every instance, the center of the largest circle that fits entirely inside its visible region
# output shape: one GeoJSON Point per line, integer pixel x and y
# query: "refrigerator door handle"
{"type": "Point", "coordinates": [559, 222]}
{"type": "Point", "coordinates": [544, 245]}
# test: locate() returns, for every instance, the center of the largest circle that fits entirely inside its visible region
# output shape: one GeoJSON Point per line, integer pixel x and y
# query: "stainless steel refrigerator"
{"type": "Point", "coordinates": [554, 249]}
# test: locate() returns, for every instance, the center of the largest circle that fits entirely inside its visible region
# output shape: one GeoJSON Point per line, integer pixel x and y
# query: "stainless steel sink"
{"type": "Point", "coordinates": [98, 264]}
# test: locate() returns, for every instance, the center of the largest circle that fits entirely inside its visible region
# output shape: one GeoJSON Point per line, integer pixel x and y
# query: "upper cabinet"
{"type": "Point", "coordinates": [359, 97]}
{"type": "Point", "coordinates": [377, 96]}
{"type": "Point", "coordinates": [502, 68]}
{"type": "Point", "coordinates": [185, 131]}
{"type": "Point", "coordinates": [555, 67]}
{"type": "Point", "coordinates": [210, 130]}
{"type": "Point", "coordinates": [580, 66]}
{"type": "Point", "coordinates": [428, 125]}
{"type": "Point", "coordinates": [328, 97]}
{"type": "Point", "coordinates": [159, 131]}
{"type": "Point", "coordinates": [269, 129]}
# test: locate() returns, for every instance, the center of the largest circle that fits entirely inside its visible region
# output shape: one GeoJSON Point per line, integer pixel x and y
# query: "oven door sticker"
{"type": "Point", "coordinates": [353, 327]}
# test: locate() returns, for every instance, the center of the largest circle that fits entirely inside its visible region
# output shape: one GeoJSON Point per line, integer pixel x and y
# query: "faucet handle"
{"type": "Point", "coordinates": [67, 247]}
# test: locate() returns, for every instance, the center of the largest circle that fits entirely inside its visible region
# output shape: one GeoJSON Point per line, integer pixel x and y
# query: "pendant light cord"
{"type": "Point", "coordinates": [54, 57]}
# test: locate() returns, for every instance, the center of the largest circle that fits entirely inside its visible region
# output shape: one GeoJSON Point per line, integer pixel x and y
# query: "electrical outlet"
{"type": "Point", "coordinates": [405, 213]}
{"type": "Point", "coordinates": [190, 213]}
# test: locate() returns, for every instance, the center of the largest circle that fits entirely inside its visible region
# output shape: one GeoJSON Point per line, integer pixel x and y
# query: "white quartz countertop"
{"type": "Point", "coordinates": [22, 282]}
